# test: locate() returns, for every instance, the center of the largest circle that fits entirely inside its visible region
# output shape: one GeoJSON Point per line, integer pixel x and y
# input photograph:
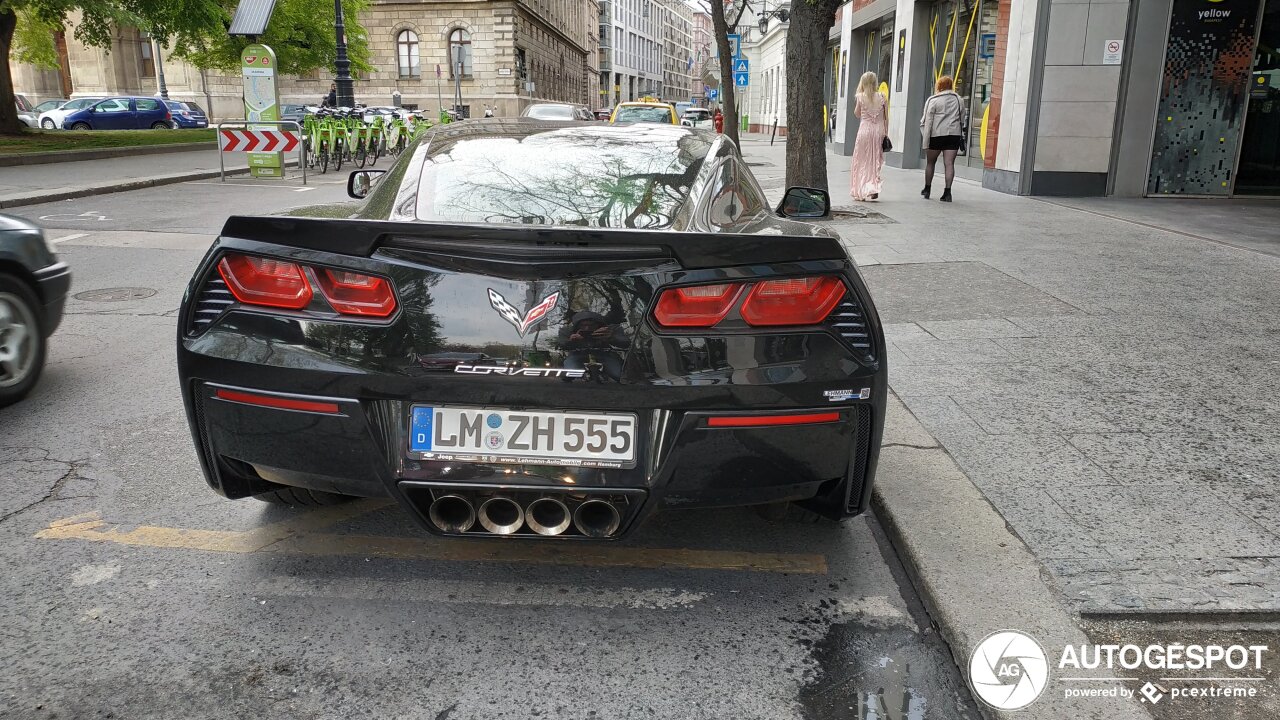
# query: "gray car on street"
{"type": "Point", "coordinates": [33, 289]}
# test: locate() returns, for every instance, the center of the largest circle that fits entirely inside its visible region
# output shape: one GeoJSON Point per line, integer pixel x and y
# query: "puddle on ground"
{"type": "Point", "coordinates": [867, 673]}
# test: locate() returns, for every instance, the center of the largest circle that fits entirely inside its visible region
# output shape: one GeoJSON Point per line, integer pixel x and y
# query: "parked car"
{"type": "Point", "coordinates": [33, 289]}
{"type": "Point", "coordinates": [185, 117]}
{"type": "Point", "coordinates": [646, 112]}
{"type": "Point", "coordinates": [698, 118]}
{"type": "Point", "coordinates": [562, 112]}
{"type": "Point", "coordinates": [52, 119]}
{"type": "Point", "coordinates": [604, 113]}
{"type": "Point", "coordinates": [122, 113]}
{"type": "Point", "coordinates": [595, 254]}
{"type": "Point", "coordinates": [293, 112]}
{"type": "Point", "coordinates": [48, 105]}
{"type": "Point", "coordinates": [26, 114]}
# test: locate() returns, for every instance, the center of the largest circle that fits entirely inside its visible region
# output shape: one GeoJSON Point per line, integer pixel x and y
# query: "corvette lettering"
{"type": "Point", "coordinates": [519, 372]}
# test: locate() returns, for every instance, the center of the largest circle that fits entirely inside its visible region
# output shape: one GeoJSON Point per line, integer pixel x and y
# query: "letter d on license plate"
{"type": "Point", "coordinates": [520, 436]}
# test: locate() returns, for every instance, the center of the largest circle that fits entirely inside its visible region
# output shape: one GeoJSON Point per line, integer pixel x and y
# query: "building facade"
{"type": "Point", "coordinates": [706, 69]}
{"type": "Point", "coordinates": [764, 45]}
{"type": "Point", "coordinates": [631, 32]}
{"type": "Point", "coordinates": [1086, 97]}
{"type": "Point", "coordinates": [513, 52]}
{"type": "Point", "coordinates": [677, 51]}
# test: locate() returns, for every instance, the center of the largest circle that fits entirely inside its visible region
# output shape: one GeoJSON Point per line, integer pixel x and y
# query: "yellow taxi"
{"type": "Point", "coordinates": [649, 112]}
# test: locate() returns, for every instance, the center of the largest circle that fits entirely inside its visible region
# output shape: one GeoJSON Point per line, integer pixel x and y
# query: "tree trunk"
{"type": "Point", "coordinates": [721, 27]}
{"type": "Point", "coordinates": [9, 123]}
{"type": "Point", "coordinates": [806, 71]}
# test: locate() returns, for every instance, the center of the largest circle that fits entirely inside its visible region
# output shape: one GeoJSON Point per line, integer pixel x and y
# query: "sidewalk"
{"type": "Point", "coordinates": [28, 184]}
{"type": "Point", "coordinates": [1108, 383]}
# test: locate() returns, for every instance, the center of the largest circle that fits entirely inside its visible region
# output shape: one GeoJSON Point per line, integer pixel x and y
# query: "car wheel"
{"type": "Point", "coordinates": [81, 126]}
{"type": "Point", "coordinates": [22, 341]}
{"type": "Point", "coordinates": [789, 513]}
{"type": "Point", "coordinates": [303, 497]}
{"type": "Point", "coordinates": [161, 126]}
{"type": "Point", "coordinates": [48, 124]}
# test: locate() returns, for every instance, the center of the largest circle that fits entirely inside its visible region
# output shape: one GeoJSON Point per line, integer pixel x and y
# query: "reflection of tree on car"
{"type": "Point", "coordinates": [591, 342]}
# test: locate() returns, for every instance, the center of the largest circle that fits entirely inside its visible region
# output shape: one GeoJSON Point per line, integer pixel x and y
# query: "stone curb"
{"type": "Point", "coordinates": [58, 156]}
{"type": "Point", "coordinates": [113, 187]}
{"type": "Point", "coordinates": [974, 575]}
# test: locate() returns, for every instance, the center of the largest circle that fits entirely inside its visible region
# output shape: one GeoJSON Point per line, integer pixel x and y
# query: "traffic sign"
{"type": "Point", "coordinates": [741, 65]}
{"type": "Point", "coordinates": [713, 94]}
{"type": "Point", "coordinates": [741, 79]}
{"type": "Point", "coordinates": [261, 141]}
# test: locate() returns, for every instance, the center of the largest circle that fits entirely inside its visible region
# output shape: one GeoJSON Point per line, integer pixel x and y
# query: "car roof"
{"type": "Point", "coordinates": [631, 103]}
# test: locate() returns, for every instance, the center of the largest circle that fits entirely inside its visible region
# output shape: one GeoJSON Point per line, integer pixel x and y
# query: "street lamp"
{"type": "Point", "coordinates": [346, 88]}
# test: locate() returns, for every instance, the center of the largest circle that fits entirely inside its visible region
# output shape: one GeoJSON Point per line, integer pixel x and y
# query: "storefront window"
{"type": "Point", "coordinates": [962, 45]}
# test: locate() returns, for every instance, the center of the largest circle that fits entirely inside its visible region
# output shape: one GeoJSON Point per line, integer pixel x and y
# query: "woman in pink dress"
{"type": "Point", "coordinates": [868, 150]}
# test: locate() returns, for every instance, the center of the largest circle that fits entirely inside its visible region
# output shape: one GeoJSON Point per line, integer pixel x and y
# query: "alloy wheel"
{"type": "Point", "coordinates": [17, 340]}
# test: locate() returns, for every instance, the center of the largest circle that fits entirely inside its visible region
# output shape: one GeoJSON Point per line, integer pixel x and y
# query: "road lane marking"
{"type": "Point", "coordinates": [473, 592]}
{"type": "Point", "coordinates": [89, 215]}
{"type": "Point", "coordinates": [72, 236]}
{"type": "Point", "coordinates": [293, 537]}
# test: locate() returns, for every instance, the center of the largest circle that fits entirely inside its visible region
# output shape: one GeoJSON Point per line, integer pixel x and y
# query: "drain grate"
{"type": "Point", "coordinates": [119, 294]}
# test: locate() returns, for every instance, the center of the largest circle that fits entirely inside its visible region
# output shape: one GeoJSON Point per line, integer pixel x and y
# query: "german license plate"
{"type": "Point", "coordinates": [520, 436]}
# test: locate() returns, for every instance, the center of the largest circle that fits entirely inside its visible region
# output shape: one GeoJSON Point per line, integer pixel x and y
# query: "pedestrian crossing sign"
{"type": "Point", "coordinates": [741, 65]}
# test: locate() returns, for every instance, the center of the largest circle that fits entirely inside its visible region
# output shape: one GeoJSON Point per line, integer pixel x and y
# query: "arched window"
{"type": "Point", "coordinates": [460, 51]}
{"type": "Point", "coordinates": [407, 54]}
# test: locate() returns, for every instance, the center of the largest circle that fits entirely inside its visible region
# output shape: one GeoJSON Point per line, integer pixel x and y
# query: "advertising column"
{"type": "Point", "coordinates": [261, 103]}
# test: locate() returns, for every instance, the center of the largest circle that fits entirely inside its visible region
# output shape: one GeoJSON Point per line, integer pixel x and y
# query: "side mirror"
{"type": "Point", "coordinates": [803, 203]}
{"type": "Point", "coordinates": [360, 183]}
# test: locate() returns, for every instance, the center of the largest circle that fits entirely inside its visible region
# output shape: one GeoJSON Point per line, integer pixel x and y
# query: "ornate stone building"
{"type": "Point", "coordinates": [513, 52]}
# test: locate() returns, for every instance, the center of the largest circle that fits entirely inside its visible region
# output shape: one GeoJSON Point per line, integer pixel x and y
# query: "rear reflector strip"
{"type": "Point", "coordinates": [276, 401]}
{"type": "Point", "coordinates": [767, 420]}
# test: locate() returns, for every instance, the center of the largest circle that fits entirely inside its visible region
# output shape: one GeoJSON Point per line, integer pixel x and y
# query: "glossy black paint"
{"type": "Point", "coordinates": [463, 290]}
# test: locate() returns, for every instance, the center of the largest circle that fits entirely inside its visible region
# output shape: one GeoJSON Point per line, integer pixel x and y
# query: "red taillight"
{"type": "Point", "coordinates": [794, 301]}
{"type": "Point", "coordinates": [355, 294]}
{"type": "Point", "coordinates": [266, 282]}
{"type": "Point", "coordinates": [697, 306]}
{"type": "Point", "coordinates": [277, 401]}
{"type": "Point", "coordinates": [768, 420]}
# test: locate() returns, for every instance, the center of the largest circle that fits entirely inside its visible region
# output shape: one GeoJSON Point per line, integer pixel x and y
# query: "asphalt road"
{"type": "Point", "coordinates": [133, 591]}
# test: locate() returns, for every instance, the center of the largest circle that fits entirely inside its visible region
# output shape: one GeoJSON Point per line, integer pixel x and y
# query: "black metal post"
{"type": "Point", "coordinates": [774, 132]}
{"type": "Point", "coordinates": [155, 53]}
{"type": "Point", "coordinates": [346, 87]}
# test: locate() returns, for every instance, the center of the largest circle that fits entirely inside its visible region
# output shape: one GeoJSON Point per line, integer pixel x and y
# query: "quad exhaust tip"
{"type": "Point", "coordinates": [501, 515]}
{"type": "Point", "coordinates": [597, 518]}
{"type": "Point", "coordinates": [452, 513]}
{"type": "Point", "coordinates": [548, 516]}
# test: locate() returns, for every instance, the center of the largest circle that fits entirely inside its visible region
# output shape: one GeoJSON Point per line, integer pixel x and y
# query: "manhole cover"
{"type": "Point", "coordinates": [119, 294]}
{"type": "Point", "coordinates": [860, 215]}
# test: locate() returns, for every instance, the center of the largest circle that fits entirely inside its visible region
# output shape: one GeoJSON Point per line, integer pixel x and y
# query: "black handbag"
{"type": "Point", "coordinates": [886, 144]}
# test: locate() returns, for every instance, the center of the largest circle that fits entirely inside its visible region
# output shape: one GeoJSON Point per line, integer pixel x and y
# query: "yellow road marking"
{"type": "Point", "coordinates": [291, 537]}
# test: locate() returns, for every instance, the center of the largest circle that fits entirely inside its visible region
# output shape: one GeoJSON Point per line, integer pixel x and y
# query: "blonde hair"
{"type": "Point", "coordinates": [944, 83]}
{"type": "Point", "coordinates": [868, 86]}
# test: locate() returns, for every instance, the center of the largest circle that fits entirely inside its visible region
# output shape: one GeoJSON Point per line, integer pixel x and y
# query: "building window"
{"type": "Point", "coordinates": [407, 54]}
{"type": "Point", "coordinates": [147, 61]}
{"type": "Point", "coordinates": [460, 51]}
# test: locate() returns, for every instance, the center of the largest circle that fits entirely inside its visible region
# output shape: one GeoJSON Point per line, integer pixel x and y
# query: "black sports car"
{"type": "Point", "coordinates": [539, 330]}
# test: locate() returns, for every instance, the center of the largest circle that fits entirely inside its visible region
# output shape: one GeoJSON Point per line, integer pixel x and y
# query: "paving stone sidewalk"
{"type": "Point", "coordinates": [1107, 382]}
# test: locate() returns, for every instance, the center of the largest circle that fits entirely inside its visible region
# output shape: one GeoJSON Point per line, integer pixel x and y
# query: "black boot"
{"type": "Point", "coordinates": [925, 192]}
{"type": "Point", "coordinates": [946, 195]}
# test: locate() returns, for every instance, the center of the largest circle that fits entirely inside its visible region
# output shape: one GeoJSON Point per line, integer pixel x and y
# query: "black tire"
{"type": "Point", "coordinates": [787, 512]}
{"type": "Point", "coordinates": [338, 151]}
{"type": "Point", "coordinates": [303, 497]}
{"type": "Point", "coordinates": [81, 126]}
{"type": "Point", "coordinates": [359, 157]}
{"type": "Point", "coordinates": [47, 124]}
{"type": "Point", "coordinates": [324, 158]}
{"type": "Point", "coordinates": [374, 152]}
{"type": "Point", "coordinates": [161, 126]}
{"type": "Point", "coordinates": [18, 298]}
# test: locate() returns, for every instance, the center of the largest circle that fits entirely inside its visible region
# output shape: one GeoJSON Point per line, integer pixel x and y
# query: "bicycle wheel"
{"type": "Point", "coordinates": [324, 157]}
{"type": "Point", "coordinates": [374, 145]}
{"type": "Point", "coordinates": [339, 150]}
{"type": "Point", "coordinates": [359, 155]}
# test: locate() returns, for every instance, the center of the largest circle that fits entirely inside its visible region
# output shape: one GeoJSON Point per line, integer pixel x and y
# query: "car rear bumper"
{"type": "Point", "coordinates": [360, 446]}
{"type": "Point", "coordinates": [54, 281]}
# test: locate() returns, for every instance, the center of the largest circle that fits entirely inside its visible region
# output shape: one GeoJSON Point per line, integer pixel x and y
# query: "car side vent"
{"type": "Point", "coordinates": [849, 322]}
{"type": "Point", "coordinates": [862, 452]}
{"type": "Point", "coordinates": [214, 299]}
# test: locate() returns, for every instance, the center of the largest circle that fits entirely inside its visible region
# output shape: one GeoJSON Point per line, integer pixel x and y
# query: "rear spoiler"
{"type": "Point", "coordinates": [691, 250]}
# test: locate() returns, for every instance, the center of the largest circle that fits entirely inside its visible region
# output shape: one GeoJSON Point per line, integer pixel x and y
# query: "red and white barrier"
{"type": "Point", "coordinates": [245, 140]}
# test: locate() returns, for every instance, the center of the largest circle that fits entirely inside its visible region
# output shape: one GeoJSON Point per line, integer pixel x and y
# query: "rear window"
{"type": "Point", "coordinates": [643, 114]}
{"type": "Point", "coordinates": [550, 112]}
{"type": "Point", "coordinates": [194, 107]}
{"type": "Point", "coordinates": [576, 176]}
